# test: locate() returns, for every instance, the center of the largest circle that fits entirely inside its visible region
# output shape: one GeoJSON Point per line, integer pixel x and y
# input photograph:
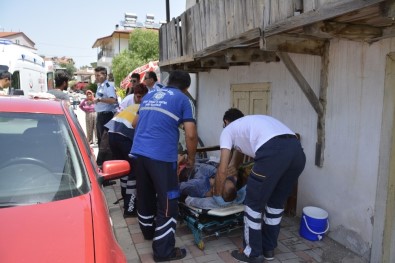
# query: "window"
{"type": "Point", "coordinates": [39, 161]}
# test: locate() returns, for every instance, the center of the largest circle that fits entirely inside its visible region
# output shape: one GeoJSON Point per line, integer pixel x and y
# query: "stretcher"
{"type": "Point", "coordinates": [206, 223]}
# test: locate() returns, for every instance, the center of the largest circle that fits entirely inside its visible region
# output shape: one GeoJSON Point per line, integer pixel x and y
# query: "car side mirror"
{"type": "Point", "coordinates": [114, 169]}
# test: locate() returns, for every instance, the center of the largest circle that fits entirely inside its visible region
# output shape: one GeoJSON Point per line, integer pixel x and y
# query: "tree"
{"type": "Point", "coordinates": [122, 64]}
{"type": "Point", "coordinates": [143, 47]}
{"type": "Point", "coordinates": [144, 44]}
{"type": "Point", "coordinates": [69, 68]}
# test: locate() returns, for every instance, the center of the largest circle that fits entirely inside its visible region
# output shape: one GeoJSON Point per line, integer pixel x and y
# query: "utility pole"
{"type": "Point", "coordinates": [167, 11]}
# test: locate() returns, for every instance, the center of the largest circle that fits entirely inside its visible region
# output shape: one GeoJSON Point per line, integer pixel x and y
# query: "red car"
{"type": "Point", "coordinates": [52, 207]}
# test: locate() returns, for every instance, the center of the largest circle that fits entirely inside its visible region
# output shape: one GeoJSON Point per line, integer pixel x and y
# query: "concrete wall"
{"type": "Point", "coordinates": [346, 185]}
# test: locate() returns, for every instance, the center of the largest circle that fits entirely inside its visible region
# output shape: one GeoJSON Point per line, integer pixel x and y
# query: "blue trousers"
{"type": "Point", "coordinates": [278, 164]}
{"type": "Point", "coordinates": [157, 195]}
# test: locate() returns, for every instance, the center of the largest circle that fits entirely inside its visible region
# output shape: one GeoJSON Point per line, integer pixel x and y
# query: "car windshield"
{"type": "Point", "coordinates": [39, 161]}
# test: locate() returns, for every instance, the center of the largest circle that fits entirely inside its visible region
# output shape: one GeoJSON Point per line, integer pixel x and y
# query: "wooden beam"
{"type": "Point", "coordinates": [387, 33]}
{"type": "Point", "coordinates": [320, 145]}
{"type": "Point", "coordinates": [250, 55]}
{"type": "Point", "coordinates": [182, 59]}
{"type": "Point", "coordinates": [293, 43]}
{"type": "Point", "coordinates": [389, 9]}
{"type": "Point", "coordinates": [304, 85]}
{"type": "Point", "coordinates": [234, 41]}
{"type": "Point", "coordinates": [342, 30]}
{"type": "Point", "coordinates": [214, 62]}
{"type": "Point", "coordinates": [323, 13]}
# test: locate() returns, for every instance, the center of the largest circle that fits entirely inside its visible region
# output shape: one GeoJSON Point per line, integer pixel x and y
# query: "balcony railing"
{"type": "Point", "coordinates": [207, 23]}
{"type": "Point", "coordinates": [212, 26]}
{"type": "Point", "coordinates": [105, 53]}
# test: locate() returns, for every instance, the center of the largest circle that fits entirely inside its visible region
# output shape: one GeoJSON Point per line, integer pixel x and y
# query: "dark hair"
{"type": "Point", "coordinates": [229, 192]}
{"type": "Point", "coordinates": [140, 89]}
{"type": "Point", "coordinates": [5, 75]}
{"type": "Point", "coordinates": [135, 76]}
{"type": "Point", "coordinates": [232, 114]}
{"type": "Point", "coordinates": [179, 79]}
{"type": "Point", "coordinates": [151, 75]}
{"type": "Point", "coordinates": [60, 77]}
{"type": "Point", "coordinates": [101, 69]}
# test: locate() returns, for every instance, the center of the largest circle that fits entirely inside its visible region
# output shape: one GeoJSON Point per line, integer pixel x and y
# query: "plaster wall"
{"type": "Point", "coordinates": [346, 184]}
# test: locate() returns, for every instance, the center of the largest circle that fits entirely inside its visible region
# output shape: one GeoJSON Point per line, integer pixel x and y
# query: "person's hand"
{"type": "Point", "coordinates": [189, 168]}
{"type": "Point", "coordinates": [231, 171]}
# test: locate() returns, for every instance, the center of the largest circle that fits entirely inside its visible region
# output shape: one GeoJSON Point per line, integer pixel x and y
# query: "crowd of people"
{"type": "Point", "coordinates": [154, 129]}
{"type": "Point", "coordinates": [147, 127]}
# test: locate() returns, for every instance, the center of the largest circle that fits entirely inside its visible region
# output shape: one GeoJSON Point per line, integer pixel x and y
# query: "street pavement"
{"type": "Point", "coordinates": [292, 248]}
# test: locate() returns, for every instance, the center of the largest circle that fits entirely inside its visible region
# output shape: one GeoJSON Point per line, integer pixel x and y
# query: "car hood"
{"type": "Point", "coordinates": [59, 231]}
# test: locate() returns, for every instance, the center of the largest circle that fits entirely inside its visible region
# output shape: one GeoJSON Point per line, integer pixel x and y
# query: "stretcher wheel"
{"type": "Point", "coordinates": [201, 245]}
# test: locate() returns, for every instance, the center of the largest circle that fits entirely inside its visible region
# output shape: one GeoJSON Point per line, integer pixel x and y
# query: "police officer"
{"type": "Point", "coordinates": [154, 160]}
{"type": "Point", "coordinates": [105, 107]}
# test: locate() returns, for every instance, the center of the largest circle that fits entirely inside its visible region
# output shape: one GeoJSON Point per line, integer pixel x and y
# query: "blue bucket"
{"type": "Point", "coordinates": [314, 223]}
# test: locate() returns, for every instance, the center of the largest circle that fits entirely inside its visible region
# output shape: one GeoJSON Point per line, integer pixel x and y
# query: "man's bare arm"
{"type": "Point", "coordinates": [221, 171]}
{"type": "Point", "coordinates": [191, 140]}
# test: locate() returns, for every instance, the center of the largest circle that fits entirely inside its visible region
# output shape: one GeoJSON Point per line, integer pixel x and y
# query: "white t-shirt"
{"type": "Point", "coordinates": [250, 132]}
{"type": "Point", "coordinates": [127, 101]}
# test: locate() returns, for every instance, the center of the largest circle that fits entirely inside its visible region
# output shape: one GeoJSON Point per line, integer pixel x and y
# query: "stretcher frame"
{"type": "Point", "coordinates": [205, 223]}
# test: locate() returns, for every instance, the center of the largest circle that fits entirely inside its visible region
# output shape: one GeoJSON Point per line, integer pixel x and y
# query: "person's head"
{"type": "Point", "coordinates": [231, 115]}
{"type": "Point", "coordinates": [135, 79]}
{"type": "Point", "coordinates": [100, 74]}
{"type": "Point", "coordinates": [61, 80]}
{"type": "Point", "coordinates": [89, 95]}
{"type": "Point", "coordinates": [150, 79]}
{"type": "Point", "coordinates": [5, 79]}
{"type": "Point", "coordinates": [139, 91]}
{"type": "Point", "coordinates": [179, 79]}
{"type": "Point", "coordinates": [110, 77]}
{"type": "Point", "coordinates": [229, 192]}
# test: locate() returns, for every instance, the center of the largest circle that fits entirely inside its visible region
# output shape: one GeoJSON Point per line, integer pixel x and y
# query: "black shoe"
{"type": "Point", "coordinates": [127, 214]}
{"type": "Point", "coordinates": [240, 256]}
{"type": "Point", "coordinates": [268, 255]}
{"type": "Point", "coordinates": [178, 253]}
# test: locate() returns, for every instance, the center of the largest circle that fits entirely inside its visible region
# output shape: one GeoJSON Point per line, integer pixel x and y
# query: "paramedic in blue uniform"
{"type": "Point", "coordinates": [105, 101]}
{"type": "Point", "coordinates": [278, 161]}
{"type": "Point", "coordinates": [154, 159]}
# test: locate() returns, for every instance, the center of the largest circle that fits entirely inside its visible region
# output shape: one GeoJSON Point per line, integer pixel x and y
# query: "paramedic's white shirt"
{"type": "Point", "coordinates": [249, 133]}
{"type": "Point", "coordinates": [127, 101]}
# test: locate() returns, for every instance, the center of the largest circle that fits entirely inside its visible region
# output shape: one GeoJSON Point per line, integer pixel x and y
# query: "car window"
{"type": "Point", "coordinates": [39, 160]}
{"type": "Point", "coordinates": [81, 132]}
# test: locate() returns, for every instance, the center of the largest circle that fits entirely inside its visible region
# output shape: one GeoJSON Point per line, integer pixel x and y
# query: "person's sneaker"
{"type": "Point", "coordinates": [268, 255]}
{"type": "Point", "coordinates": [127, 214]}
{"type": "Point", "coordinates": [178, 253]}
{"type": "Point", "coordinates": [240, 256]}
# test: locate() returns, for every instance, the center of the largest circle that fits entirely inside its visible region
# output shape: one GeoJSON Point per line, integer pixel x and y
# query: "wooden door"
{"type": "Point", "coordinates": [254, 98]}
{"type": "Point", "coordinates": [251, 98]}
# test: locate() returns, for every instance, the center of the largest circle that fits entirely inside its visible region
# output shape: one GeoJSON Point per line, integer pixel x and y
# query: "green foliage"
{"type": "Point", "coordinates": [144, 47]}
{"type": "Point", "coordinates": [69, 68]}
{"type": "Point", "coordinates": [122, 64]}
{"type": "Point", "coordinates": [144, 44]}
{"type": "Point", "coordinates": [121, 92]}
{"type": "Point", "coordinates": [92, 87]}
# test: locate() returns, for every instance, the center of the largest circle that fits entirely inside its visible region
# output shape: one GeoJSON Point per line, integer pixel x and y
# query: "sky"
{"type": "Point", "coordinates": [70, 28]}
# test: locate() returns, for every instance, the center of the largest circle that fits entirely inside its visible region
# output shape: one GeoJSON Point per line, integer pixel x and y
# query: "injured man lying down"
{"type": "Point", "coordinates": [199, 185]}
